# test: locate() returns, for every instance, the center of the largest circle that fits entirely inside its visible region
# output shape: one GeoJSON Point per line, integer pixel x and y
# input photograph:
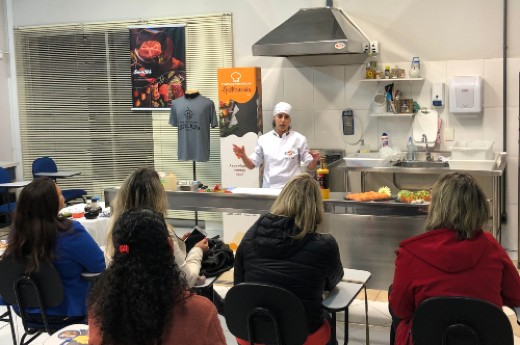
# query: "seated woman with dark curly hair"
{"type": "Point", "coordinates": [141, 298]}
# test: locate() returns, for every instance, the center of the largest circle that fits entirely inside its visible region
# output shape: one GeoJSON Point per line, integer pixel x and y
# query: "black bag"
{"type": "Point", "coordinates": [218, 259]}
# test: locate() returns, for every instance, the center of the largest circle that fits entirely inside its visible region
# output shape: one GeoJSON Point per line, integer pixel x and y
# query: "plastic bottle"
{"type": "Point", "coordinates": [384, 140]}
{"type": "Point", "coordinates": [415, 69]}
{"type": "Point", "coordinates": [322, 175]}
{"type": "Point", "coordinates": [387, 72]}
{"type": "Point", "coordinates": [410, 150]}
{"type": "Point", "coordinates": [171, 182]}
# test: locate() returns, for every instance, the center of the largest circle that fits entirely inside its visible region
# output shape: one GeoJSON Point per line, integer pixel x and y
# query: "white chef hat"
{"type": "Point", "coordinates": [282, 107]}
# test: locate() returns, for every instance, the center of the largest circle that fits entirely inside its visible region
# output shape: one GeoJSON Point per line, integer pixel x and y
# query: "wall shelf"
{"type": "Point", "coordinates": [392, 80]}
{"type": "Point", "coordinates": [398, 115]}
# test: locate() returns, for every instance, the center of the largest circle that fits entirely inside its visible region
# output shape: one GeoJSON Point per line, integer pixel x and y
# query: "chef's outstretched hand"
{"type": "Point", "coordinates": [239, 151]}
{"type": "Point", "coordinates": [315, 156]}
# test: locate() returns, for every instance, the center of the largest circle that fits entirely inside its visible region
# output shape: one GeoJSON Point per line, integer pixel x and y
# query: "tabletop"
{"type": "Point", "coordinates": [97, 228]}
{"type": "Point", "coordinates": [19, 184]}
{"type": "Point", "coordinates": [59, 174]}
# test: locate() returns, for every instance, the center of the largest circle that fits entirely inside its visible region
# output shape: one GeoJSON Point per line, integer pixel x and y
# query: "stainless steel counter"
{"type": "Point", "coordinates": [367, 232]}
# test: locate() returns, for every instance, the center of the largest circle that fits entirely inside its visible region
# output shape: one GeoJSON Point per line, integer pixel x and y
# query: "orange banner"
{"type": "Point", "coordinates": [240, 100]}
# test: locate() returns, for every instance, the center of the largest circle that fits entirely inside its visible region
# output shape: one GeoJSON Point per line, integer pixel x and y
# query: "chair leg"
{"type": "Point", "coordinates": [345, 341]}
{"type": "Point", "coordinates": [11, 324]}
{"type": "Point", "coordinates": [366, 317]}
{"type": "Point", "coordinates": [333, 325]}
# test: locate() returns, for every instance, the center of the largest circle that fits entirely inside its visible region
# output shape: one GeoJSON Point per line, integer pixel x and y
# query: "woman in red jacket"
{"type": "Point", "coordinates": [455, 257]}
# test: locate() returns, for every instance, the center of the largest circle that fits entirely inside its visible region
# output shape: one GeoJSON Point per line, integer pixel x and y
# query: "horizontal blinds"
{"type": "Point", "coordinates": [75, 97]}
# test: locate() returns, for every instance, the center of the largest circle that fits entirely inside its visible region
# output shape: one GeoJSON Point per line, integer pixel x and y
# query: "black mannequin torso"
{"type": "Point", "coordinates": [191, 94]}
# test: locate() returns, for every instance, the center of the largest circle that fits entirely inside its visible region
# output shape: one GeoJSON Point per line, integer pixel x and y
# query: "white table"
{"type": "Point", "coordinates": [97, 228]}
{"type": "Point", "coordinates": [59, 174]}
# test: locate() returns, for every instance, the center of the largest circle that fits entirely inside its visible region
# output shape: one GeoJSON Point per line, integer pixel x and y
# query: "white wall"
{"type": "Point", "coordinates": [462, 37]}
{"type": "Point", "coordinates": [6, 145]}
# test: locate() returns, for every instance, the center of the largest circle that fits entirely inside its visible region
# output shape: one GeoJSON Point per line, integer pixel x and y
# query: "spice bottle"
{"type": "Point", "coordinates": [322, 175]}
{"type": "Point", "coordinates": [384, 140]}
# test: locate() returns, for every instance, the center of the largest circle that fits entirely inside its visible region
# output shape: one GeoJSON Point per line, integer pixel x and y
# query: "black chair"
{"type": "Point", "coordinates": [6, 205]}
{"type": "Point", "coordinates": [40, 289]}
{"type": "Point", "coordinates": [8, 317]}
{"type": "Point", "coordinates": [47, 164]}
{"type": "Point", "coordinates": [266, 314]}
{"type": "Point", "coordinates": [460, 321]}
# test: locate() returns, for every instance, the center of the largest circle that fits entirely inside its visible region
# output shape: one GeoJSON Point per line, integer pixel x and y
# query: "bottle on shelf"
{"type": "Point", "coordinates": [410, 150]}
{"type": "Point", "coordinates": [387, 72]}
{"type": "Point", "coordinates": [322, 175]}
{"type": "Point", "coordinates": [385, 141]}
{"type": "Point", "coordinates": [415, 69]}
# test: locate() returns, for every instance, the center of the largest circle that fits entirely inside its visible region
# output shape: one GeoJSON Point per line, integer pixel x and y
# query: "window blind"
{"type": "Point", "coordinates": [74, 92]}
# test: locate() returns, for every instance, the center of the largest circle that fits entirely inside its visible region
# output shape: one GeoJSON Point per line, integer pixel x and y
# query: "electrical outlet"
{"type": "Point", "coordinates": [374, 47]}
{"type": "Point", "coordinates": [449, 134]}
{"type": "Point", "coordinates": [366, 47]}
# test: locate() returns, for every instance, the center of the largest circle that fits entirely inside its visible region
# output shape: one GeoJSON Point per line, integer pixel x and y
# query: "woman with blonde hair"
{"type": "Point", "coordinates": [143, 189]}
{"type": "Point", "coordinates": [454, 257]}
{"type": "Point", "coordinates": [284, 248]}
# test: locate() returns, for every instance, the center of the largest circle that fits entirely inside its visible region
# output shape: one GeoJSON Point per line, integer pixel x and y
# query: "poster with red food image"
{"type": "Point", "coordinates": [158, 65]}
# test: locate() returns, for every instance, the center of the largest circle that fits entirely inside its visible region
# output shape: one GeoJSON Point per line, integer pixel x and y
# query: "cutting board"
{"type": "Point", "coordinates": [426, 121]}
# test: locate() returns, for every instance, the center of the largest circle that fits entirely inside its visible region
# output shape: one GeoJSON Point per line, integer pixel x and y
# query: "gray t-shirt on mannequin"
{"type": "Point", "coordinates": [193, 118]}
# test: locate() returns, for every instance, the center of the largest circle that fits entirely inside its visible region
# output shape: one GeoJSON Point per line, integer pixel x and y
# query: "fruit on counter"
{"type": "Point", "coordinates": [385, 190]}
{"type": "Point", "coordinates": [367, 196]}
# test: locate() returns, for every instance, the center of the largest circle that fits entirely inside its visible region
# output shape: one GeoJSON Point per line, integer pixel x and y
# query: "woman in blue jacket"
{"type": "Point", "coordinates": [39, 235]}
{"type": "Point", "coordinates": [284, 248]}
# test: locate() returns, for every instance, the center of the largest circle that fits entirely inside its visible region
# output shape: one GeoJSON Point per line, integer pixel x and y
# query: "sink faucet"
{"type": "Point", "coordinates": [428, 154]}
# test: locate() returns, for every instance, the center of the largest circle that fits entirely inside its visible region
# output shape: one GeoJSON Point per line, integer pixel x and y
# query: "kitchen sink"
{"type": "Point", "coordinates": [421, 164]}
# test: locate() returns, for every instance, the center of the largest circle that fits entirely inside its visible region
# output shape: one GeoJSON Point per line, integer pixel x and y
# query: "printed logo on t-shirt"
{"type": "Point", "coordinates": [188, 114]}
{"type": "Point", "coordinates": [187, 124]}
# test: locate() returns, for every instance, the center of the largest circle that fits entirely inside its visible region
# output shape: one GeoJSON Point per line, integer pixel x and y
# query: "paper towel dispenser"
{"type": "Point", "coordinates": [465, 95]}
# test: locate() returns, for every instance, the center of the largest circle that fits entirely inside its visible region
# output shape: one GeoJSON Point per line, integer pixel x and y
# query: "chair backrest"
{"type": "Point", "coordinates": [267, 314]}
{"type": "Point", "coordinates": [43, 164]}
{"type": "Point", "coordinates": [42, 288]}
{"type": "Point", "coordinates": [460, 321]}
{"type": "Point", "coordinates": [4, 178]}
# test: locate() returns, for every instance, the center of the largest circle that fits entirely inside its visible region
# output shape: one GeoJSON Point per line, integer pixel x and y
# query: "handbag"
{"type": "Point", "coordinates": [218, 259]}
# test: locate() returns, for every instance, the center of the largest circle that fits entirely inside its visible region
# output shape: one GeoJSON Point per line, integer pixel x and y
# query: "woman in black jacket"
{"type": "Point", "coordinates": [283, 248]}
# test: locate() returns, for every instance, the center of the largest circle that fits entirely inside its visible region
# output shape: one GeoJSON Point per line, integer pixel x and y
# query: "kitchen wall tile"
{"type": "Point", "coordinates": [267, 119]}
{"type": "Point", "coordinates": [432, 72]}
{"type": "Point", "coordinates": [298, 87]}
{"type": "Point", "coordinates": [513, 67]}
{"type": "Point", "coordinates": [328, 133]}
{"type": "Point", "coordinates": [512, 181]}
{"type": "Point", "coordinates": [464, 68]}
{"type": "Point", "coordinates": [493, 83]}
{"type": "Point", "coordinates": [302, 121]}
{"type": "Point", "coordinates": [272, 87]}
{"type": "Point", "coordinates": [509, 238]}
{"type": "Point", "coordinates": [512, 131]}
{"type": "Point", "coordinates": [398, 130]}
{"type": "Point", "coordinates": [328, 85]}
{"type": "Point", "coordinates": [358, 95]}
{"type": "Point", "coordinates": [484, 126]}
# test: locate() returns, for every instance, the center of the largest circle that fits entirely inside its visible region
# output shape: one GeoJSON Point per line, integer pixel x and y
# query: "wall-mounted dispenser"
{"type": "Point", "coordinates": [438, 94]}
{"type": "Point", "coordinates": [466, 95]}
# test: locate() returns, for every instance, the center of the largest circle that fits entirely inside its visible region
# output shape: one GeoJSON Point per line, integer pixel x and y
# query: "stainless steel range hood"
{"type": "Point", "coordinates": [313, 31]}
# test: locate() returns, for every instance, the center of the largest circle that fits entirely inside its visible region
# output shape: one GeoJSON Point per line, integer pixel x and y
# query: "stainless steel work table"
{"type": "Point", "coordinates": [495, 174]}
